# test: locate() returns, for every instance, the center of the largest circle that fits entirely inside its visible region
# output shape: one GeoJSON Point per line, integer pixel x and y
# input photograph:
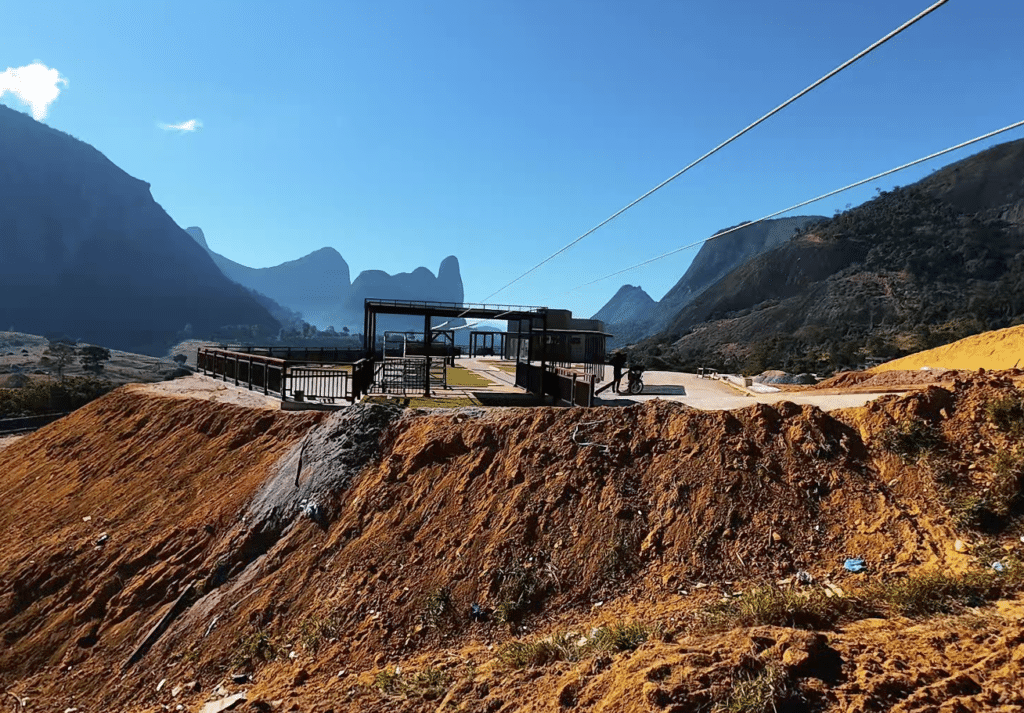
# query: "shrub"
{"type": "Point", "coordinates": [315, 630]}
{"type": "Point", "coordinates": [438, 607]}
{"type": "Point", "coordinates": [1007, 414]}
{"type": "Point", "coordinates": [993, 507]}
{"type": "Point", "coordinates": [912, 439]}
{"type": "Point", "coordinates": [42, 397]}
{"type": "Point", "coordinates": [256, 646]}
{"type": "Point", "coordinates": [522, 590]}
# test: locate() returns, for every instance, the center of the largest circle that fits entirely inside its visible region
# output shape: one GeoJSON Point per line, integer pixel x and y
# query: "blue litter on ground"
{"type": "Point", "coordinates": [998, 566]}
{"type": "Point", "coordinates": [854, 564]}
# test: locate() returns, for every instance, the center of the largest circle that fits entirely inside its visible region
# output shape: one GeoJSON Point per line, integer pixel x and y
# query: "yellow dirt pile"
{"type": "Point", "coordinates": [1000, 349]}
{"type": "Point", "coordinates": [547, 521]}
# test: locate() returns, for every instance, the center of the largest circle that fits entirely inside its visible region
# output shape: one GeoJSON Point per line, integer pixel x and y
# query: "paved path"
{"type": "Point", "coordinates": [690, 389]}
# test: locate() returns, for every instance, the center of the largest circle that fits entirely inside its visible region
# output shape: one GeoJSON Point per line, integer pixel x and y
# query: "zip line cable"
{"type": "Point", "coordinates": [728, 141]}
{"type": "Point", "coordinates": [807, 202]}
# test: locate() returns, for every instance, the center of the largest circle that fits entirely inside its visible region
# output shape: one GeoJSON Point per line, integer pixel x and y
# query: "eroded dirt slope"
{"type": "Point", "coordinates": [547, 519]}
{"type": "Point", "coordinates": [111, 512]}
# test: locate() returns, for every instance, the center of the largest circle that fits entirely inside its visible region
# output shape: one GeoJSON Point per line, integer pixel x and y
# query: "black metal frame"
{"type": "Point", "coordinates": [536, 319]}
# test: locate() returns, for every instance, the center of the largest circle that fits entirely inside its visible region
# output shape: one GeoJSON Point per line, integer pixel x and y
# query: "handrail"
{"type": "Point", "coordinates": [246, 355]}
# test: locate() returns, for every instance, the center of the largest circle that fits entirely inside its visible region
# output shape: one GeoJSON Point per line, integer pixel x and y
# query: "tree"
{"type": "Point", "coordinates": [62, 352]}
{"type": "Point", "coordinates": [92, 357]}
{"type": "Point", "coordinates": [180, 359]}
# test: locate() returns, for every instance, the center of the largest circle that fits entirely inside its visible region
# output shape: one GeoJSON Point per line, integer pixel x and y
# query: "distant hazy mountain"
{"type": "Point", "coordinates": [631, 317]}
{"type": "Point", "coordinates": [86, 251]}
{"type": "Point", "coordinates": [313, 285]}
{"type": "Point", "coordinates": [317, 285]}
{"type": "Point", "coordinates": [628, 314]}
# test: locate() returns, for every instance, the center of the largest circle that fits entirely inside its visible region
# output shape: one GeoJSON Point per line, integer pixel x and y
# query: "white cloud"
{"type": "Point", "coordinates": [35, 84]}
{"type": "Point", "coordinates": [190, 125]}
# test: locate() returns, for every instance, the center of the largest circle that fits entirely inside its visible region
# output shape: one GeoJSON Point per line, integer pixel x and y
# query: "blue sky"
{"type": "Point", "coordinates": [401, 132]}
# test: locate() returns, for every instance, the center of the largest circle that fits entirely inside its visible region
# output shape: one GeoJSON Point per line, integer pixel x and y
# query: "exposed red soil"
{"type": "Point", "coordinates": [665, 500]}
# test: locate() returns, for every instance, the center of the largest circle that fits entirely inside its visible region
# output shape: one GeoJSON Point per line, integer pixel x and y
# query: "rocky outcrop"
{"type": "Point", "coordinates": [85, 251]}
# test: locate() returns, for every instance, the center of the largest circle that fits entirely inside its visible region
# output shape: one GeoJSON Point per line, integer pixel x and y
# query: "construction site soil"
{"type": "Point", "coordinates": [163, 553]}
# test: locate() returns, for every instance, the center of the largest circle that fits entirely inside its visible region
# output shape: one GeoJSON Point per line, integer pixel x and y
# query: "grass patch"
{"type": "Point", "coordinates": [507, 367]}
{"type": "Point", "coordinates": [916, 596]}
{"type": "Point", "coordinates": [770, 606]}
{"type": "Point", "coordinates": [461, 376]}
{"type": "Point", "coordinates": [258, 646]}
{"type": "Point", "coordinates": [761, 692]}
{"type": "Point", "coordinates": [911, 440]}
{"type": "Point", "coordinates": [421, 402]}
{"type": "Point", "coordinates": [428, 684]}
{"type": "Point", "coordinates": [568, 646]}
{"type": "Point", "coordinates": [315, 630]}
{"type": "Point", "coordinates": [932, 593]}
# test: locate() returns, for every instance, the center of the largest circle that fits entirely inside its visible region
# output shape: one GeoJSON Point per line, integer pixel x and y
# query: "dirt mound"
{"type": "Point", "coordinates": [999, 349]}
{"type": "Point", "coordinates": [545, 519]}
{"type": "Point", "coordinates": [888, 379]}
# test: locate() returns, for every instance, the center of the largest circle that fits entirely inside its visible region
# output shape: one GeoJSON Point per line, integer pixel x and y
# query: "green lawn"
{"type": "Point", "coordinates": [460, 376]}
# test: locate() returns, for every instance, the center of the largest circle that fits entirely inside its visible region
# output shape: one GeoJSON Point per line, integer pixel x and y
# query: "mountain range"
{"type": "Point", "coordinates": [86, 253]}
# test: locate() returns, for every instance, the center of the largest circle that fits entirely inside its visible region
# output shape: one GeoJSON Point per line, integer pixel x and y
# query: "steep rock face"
{"type": "Point", "coordinates": [628, 315]}
{"type": "Point", "coordinates": [86, 251]}
{"type": "Point", "coordinates": [720, 256]}
{"type": "Point", "coordinates": [420, 284]}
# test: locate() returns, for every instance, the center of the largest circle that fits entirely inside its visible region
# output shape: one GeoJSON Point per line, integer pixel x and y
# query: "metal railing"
{"type": "Point", "coordinates": [313, 355]}
{"type": "Point", "coordinates": [254, 371]}
{"type": "Point", "coordinates": [286, 379]}
{"type": "Point", "coordinates": [567, 386]}
{"type": "Point", "coordinates": [303, 383]}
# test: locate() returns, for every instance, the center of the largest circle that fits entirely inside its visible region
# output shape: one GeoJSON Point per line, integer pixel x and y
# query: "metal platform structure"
{"type": "Point", "coordinates": [555, 356]}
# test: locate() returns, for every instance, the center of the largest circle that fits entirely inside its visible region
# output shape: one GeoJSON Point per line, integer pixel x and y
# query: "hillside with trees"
{"type": "Point", "coordinates": [914, 268]}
